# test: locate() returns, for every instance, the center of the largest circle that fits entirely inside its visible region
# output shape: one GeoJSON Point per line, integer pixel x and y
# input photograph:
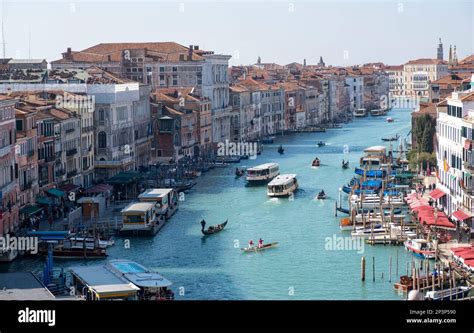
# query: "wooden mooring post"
{"type": "Point", "coordinates": [362, 269]}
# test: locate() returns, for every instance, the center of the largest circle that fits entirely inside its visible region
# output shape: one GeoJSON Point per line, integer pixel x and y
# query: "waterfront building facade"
{"type": "Point", "coordinates": [395, 80]}
{"type": "Point", "coordinates": [417, 74]}
{"type": "Point", "coordinates": [8, 182]}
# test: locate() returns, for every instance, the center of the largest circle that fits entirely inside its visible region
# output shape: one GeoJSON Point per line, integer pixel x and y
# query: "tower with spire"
{"type": "Point", "coordinates": [321, 62]}
{"type": "Point", "coordinates": [450, 59]}
{"type": "Point", "coordinates": [455, 56]}
{"type": "Point", "coordinates": [259, 60]}
{"type": "Point", "coordinates": [440, 50]}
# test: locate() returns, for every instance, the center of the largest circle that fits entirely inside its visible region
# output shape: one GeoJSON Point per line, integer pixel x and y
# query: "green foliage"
{"type": "Point", "coordinates": [423, 132]}
{"type": "Point", "coordinates": [416, 158]}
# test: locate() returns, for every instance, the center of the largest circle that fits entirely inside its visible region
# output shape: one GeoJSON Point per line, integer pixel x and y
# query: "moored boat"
{"type": "Point", "coordinates": [420, 248]}
{"type": "Point", "coordinates": [282, 185]}
{"type": "Point", "coordinates": [142, 218]}
{"type": "Point", "coordinates": [448, 294]}
{"type": "Point", "coordinates": [360, 113]}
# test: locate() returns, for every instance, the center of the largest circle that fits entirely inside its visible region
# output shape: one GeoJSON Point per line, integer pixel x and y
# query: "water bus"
{"type": "Point", "coordinates": [263, 173]}
{"type": "Point", "coordinates": [282, 185]}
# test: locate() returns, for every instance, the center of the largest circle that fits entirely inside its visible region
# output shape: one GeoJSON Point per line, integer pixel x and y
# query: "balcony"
{"type": "Point", "coordinates": [72, 151]}
{"type": "Point", "coordinates": [469, 166]}
{"type": "Point", "coordinates": [71, 173]}
{"type": "Point", "coordinates": [26, 186]}
{"type": "Point", "coordinates": [114, 163]}
{"type": "Point", "coordinates": [5, 150]}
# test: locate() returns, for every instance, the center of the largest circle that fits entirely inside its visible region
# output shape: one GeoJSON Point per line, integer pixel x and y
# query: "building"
{"type": "Point", "coordinates": [443, 87]}
{"type": "Point", "coordinates": [355, 86]}
{"type": "Point", "coordinates": [395, 81]}
{"type": "Point", "coordinates": [417, 74]}
{"type": "Point", "coordinates": [191, 116]}
{"type": "Point", "coordinates": [245, 122]}
{"type": "Point", "coordinates": [26, 157]}
{"type": "Point", "coordinates": [269, 103]}
{"type": "Point", "coordinates": [454, 153]}
{"type": "Point", "coordinates": [164, 65]}
{"type": "Point", "coordinates": [8, 182]}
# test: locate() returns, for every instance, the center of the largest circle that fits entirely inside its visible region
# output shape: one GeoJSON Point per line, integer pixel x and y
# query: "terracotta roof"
{"type": "Point", "coordinates": [104, 52]}
{"type": "Point", "coordinates": [468, 98]}
{"type": "Point", "coordinates": [394, 68]}
{"type": "Point", "coordinates": [468, 60]}
{"type": "Point", "coordinates": [425, 61]}
{"type": "Point", "coordinates": [453, 78]}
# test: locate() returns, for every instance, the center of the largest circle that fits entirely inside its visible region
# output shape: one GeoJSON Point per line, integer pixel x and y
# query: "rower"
{"type": "Point", "coordinates": [260, 243]}
{"type": "Point", "coordinates": [250, 243]}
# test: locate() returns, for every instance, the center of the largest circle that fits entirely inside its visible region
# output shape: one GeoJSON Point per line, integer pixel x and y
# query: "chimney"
{"type": "Point", "coordinates": [196, 47]}
{"type": "Point", "coordinates": [190, 52]}
{"type": "Point", "coordinates": [68, 54]}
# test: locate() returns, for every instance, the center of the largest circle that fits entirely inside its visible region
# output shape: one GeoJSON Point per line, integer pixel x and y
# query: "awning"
{"type": "Point", "coordinates": [30, 210]}
{"type": "Point", "coordinates": [55, 192]}
{"type": "Point", "coordinates": [99, 188]}
{"type": "Point", "coordinates": [460, 215]}
{"type": "Point", "coordinates": [43, 201]}
{"type": "Point", "coordinates": [69, 188]}
{"type": "Point", "coordinates": [436, 194]}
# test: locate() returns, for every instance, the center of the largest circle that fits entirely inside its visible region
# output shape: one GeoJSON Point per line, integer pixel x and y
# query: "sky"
{"type": "Point", "coordinates": [342, 32]}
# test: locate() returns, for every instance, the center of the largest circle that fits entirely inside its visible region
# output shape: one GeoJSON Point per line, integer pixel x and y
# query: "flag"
{"type": "Point", "coordinates": [445, 165]}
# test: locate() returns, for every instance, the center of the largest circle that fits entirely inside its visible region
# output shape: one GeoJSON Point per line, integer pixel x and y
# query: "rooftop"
{"type": "Point", "coordinates": [21, 286]}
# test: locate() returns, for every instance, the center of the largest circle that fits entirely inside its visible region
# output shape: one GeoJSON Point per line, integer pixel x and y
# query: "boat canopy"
{"type": "Point", "coordinates": [138, 274]}
{"type": "Point", "coordinates": [154, 194]}
{"type": "Point", "coordinates": [379, 149]}
{"type": "Point", "coordinates": [103, 282]}
{"type": "Point", "coordinates": [282, 180]}
{"type": "Point", "coordinates": [138, 207]}
{"type": "Point", "coordinates": [263, 167]}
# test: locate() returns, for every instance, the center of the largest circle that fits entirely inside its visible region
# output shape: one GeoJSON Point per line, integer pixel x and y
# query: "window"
{"type": "Point", "coordinates": [102, 138]}
{"type": "Point", "coordinates": [101, 115]}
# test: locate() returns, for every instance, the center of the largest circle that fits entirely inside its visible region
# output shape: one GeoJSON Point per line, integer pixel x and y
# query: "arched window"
{"type": "Point", "coordinates": [101, 115]}
{"type": "Point", "coordinates": [102, 140]}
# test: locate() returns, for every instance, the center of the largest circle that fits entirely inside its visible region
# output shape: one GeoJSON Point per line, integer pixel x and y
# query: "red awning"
{"type": "Point", "coordinates": [69, 188]}
{"type": "Point", "coordinates": [436, 194]}
{"type": "Point", "coordinates": [100, 188]}
{"type": "Point", "coordinates": [460, 215]}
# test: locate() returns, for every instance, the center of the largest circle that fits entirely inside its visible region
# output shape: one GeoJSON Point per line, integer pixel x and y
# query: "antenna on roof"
{"type": "Point", "coordinates": [29, 41]}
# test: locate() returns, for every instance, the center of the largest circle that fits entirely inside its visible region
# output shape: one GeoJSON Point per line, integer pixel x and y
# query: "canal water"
{"type": "Point", "coordinates": [302, 267]}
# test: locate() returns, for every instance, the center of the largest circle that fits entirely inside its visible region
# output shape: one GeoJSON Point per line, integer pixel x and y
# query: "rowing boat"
{"type": "Point", "coordinates": [263, 247]}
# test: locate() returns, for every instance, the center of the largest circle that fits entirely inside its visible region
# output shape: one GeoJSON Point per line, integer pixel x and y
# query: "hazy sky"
{"type": "Point", "coordinates": [343, 32]}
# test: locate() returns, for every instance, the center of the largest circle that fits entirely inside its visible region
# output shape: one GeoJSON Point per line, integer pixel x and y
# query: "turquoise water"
{"type": "Point", "coordinates": [301, 267]}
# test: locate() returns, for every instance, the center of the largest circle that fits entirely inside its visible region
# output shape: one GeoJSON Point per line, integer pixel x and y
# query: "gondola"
{"type": "Point", "coordinates": [321, 144]}
{"type": "Point", "coordinates": [257, 249]}
{"type": "Point", "coordinates": [316, 162]}
{"type": "Point", "coordinates": [281, 150]}
{"type": "Point", "coordinates": [345, 164]}
{"type": "Point", "coordinates": [212, 229]}
{"type": "Point", "coordinates": [239, 172]}
{"type": "Point", "coordinates": [393, 138]}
